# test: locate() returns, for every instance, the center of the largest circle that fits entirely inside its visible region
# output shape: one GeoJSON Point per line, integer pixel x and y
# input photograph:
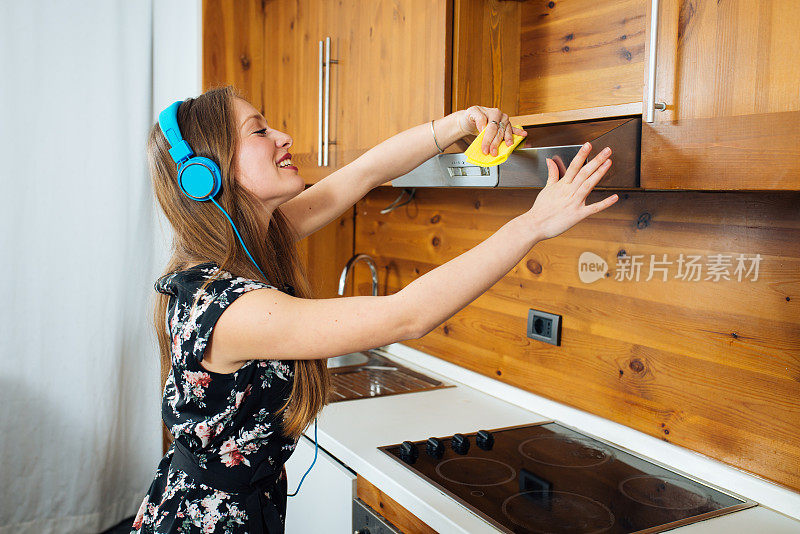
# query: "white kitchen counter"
{"type": "Point", "coordinates": [351, 431]}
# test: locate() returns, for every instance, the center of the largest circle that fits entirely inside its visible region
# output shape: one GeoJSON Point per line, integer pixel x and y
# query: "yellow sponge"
{"type": "Point", "coordinates": [476, 156]}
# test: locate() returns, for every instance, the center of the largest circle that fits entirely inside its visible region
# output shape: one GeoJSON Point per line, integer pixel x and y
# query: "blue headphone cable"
{"type": "Point", "coordinates": [316, 447]}
{"type": "Point", "coordinates": [200, 179]}
{"type": "Point", "coordinates": [240, 237]}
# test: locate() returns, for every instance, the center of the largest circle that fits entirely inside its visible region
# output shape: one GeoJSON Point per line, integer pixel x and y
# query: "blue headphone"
{"type": "Point", "coordinates": [199, 178]}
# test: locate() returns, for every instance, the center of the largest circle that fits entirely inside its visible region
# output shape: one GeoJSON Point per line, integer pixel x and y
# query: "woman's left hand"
{"type": "Point", "coordinates": [474, 119]}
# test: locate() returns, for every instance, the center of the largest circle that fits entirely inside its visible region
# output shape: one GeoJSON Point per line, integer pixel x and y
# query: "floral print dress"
{"type": "Point", "coordinates": [227, 421]}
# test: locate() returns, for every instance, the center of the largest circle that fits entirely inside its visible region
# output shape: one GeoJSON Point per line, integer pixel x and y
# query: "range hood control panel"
{"type": "Point", "coordinates": [450, 170]}
{"type": "Point", "coordinates": [469, 171]}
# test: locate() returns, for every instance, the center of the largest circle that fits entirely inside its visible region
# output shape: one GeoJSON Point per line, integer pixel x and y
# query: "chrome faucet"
{"type": "Point", "coordinates": [370, 262]}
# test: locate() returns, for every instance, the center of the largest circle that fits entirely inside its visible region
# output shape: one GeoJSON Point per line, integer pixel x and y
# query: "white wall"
{"type": "Point", "coordinates": [81, 84]}
{"type": "Point", "coordinates": [177, 75]}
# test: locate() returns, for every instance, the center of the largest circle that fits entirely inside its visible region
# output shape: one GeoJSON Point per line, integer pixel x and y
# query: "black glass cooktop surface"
{"type": "Point", "coordinates": [549, 478]}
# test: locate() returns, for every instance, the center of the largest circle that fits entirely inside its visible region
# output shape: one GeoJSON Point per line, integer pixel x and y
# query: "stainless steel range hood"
{"type": "Point", "coordinates": [526, 167]}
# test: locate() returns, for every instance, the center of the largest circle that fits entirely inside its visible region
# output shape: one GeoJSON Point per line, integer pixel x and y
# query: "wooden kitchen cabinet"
{"type": "Point", "coordinates": [269, 51]}
{"type": "Point", "coordinates": [402, 63]}
{"type": "Point", "coordinates": [730, 79]}
{"type": "Point", "coordinates": [389, 71]}
{"type": "Point", "coordinates": [394, 70]}
{"type": "Point", "coordinates": [233, 47]}
{"type": "Point", "coordinates": [551, 61]}
{"type": "Point", "coordinates": [724, 70]}
{"type": "Point", "coordinates": [292, 31]}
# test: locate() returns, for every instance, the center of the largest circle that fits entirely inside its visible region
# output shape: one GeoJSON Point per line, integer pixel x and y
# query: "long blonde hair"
{"type": "Point", "coordinates": [202, 234]}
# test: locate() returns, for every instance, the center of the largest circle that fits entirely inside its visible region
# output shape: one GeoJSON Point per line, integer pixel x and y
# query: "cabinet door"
{"type": "Point", "coordinates": [729, 76]}
{"type": "Point", "coordinates": [556, 61]}
{"type": "Point", "coordinates": [233, 47]}
{"type": "Point", "coordinates": [325, 500]}
{"type": "Point", "coordinates": [292, 31]}
{"type": "Point", "coordinates": [393, 71]}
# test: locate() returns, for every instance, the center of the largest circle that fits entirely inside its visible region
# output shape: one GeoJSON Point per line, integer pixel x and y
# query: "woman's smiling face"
{"type": "Point", "coordinates": [256, 162]}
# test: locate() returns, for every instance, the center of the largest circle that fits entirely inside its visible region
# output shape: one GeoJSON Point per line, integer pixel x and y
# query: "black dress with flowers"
{"type": "Point", "coordinates": [228, 421]}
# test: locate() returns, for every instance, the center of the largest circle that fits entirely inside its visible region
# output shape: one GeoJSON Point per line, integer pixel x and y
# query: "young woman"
{"type": "Point", "coordinates": [244, 346]}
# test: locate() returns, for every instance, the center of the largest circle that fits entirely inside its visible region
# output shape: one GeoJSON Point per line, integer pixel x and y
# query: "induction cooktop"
{"type": "Point", "coordinates": [548, 477]}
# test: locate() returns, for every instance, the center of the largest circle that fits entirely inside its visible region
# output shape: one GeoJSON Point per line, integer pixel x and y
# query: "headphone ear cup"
{"type": "Point", "coordinates": [199, 178]}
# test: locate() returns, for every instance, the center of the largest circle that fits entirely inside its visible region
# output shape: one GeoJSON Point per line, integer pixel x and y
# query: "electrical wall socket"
{"type": "Point", "coordinates": [544, 326]}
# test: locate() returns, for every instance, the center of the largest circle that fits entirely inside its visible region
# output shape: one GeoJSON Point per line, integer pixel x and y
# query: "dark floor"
{"type": "Point", "coordinates": [124, 527]}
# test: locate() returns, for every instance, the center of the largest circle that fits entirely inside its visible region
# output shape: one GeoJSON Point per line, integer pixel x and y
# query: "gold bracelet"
{"type": "Point", "coordinates": [434, 139]}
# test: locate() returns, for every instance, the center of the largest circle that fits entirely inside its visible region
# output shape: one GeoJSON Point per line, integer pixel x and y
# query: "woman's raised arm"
{"type": "Point", "coordinates": [266, 323]}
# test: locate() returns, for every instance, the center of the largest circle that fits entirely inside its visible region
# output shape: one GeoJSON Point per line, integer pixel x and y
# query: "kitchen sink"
{"type": "Point", "coordinates": [371, 374]}
{"type": "Point", "coordinates": [348, 360]}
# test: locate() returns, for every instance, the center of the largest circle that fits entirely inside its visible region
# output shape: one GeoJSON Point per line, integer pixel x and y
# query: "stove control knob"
{"type": "Point", "coordinates": [460, 443]}
{"type": "Point", "coordinates": [408, 452]}
{"type": "Point", "coordinates": [435, 447]}
{"type": "Point", "coordinates": [484, 439]}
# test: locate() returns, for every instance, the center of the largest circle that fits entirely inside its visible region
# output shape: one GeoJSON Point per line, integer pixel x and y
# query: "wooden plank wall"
{"type": "Point", "coordinates": [713, 366]}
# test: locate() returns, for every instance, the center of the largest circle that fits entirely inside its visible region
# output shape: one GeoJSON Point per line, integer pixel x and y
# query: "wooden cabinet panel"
{"type": "Point", "coordinates": [545, 57]}
{"type": "Point", "coordinates": [233, 47]}
{"type": "Point", "coordinates": [393, 70]}
{"type": "Point", "coordinates": [730, 79]}
{"type": "Point", "coordinates": [292, 31]}
{"type": "Point", "coordinates": [389, 509]}
{"type": "Point", "coordinates": [580, 54]}
{"type": "Point", "coordinates": [486, 52]}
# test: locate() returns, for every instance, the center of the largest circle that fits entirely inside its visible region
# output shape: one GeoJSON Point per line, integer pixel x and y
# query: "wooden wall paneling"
{"type": "Point", "coordinates": [233, 47]}
{"type": "Point", "coordinates": [729, 76]}
{"type": "Point", "coordinates": [389, 509]}
{"type": "Point", "coordinates": [713, 366]}
{"type": "Point", "coordinates": [580, 54]}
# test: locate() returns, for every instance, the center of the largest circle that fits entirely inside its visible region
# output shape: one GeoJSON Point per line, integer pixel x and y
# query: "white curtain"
{"type": "Point", "coordinates": [81, 246]}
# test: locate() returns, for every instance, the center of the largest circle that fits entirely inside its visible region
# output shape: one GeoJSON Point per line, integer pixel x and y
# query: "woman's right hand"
{"type": "Point", "coordinates": [560, 204]}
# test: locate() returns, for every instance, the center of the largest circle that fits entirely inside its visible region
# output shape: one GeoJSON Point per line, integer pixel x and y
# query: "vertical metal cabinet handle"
{"type": "Point", "coordinates": [651, 105]}
{"type": "Point", "coordinates": [328, 63]}
{"type": "Point", "coordinates": [327, 97]}
{"type": "Point", "coordinates": [324, 104]}
{"type": "Point", "coordinates": [319, 115]}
